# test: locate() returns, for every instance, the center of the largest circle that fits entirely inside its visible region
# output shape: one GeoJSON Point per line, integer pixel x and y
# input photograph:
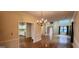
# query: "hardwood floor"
{"type": "Point", "coordinates": [46, 43]}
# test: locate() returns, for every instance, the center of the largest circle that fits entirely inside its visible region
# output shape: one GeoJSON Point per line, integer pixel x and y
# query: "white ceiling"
{"type": "Point", "coordinates": [52, 14]}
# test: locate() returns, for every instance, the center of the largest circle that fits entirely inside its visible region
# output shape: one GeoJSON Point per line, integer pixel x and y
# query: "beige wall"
{"type": "Point", "coordinates": [76, 31]}
{"type": "Point", "coordinates": [9, 22]}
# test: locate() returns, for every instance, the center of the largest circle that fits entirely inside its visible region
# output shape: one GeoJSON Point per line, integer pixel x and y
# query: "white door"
{"type": "Point", "coordinates": [50, 32]}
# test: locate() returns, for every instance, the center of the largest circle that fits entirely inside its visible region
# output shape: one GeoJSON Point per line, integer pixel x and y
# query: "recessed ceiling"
{"type": "Point", "coordinates": [56, 15]}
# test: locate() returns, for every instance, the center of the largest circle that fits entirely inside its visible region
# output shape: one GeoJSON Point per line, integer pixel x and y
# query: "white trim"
{"type": "Point", "coordinates": [9, 40]}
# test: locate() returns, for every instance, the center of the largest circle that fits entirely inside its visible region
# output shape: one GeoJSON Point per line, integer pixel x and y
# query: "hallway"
{"type": "Point", "coordinates": [26, 29]}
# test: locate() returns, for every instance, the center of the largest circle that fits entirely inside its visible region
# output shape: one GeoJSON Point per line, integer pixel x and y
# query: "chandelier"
{"type": "Point", "coordinates": [42, 21]}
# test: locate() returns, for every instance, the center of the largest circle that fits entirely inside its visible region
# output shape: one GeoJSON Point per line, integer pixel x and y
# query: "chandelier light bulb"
{"type": "Point", "coordinates": [45, 21]}
{"type": "Point", "coordinates": [42, 19]}
{"type": "Point", "coordinates": [37, 21]}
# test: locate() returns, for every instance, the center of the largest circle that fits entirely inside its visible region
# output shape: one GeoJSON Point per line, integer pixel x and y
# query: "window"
{"type": "Point", "coordinates": [63, 29]}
